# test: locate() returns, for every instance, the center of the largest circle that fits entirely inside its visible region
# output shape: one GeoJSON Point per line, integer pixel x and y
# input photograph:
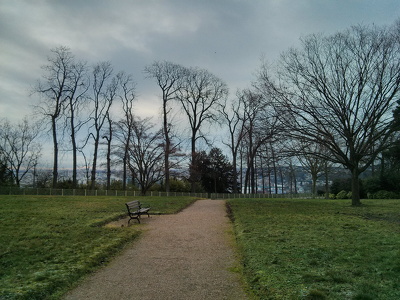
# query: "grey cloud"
{"type": "Point", "coordinates": [227, 37]}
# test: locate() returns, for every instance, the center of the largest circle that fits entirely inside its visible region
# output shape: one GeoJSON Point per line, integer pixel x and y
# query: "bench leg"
{"type": "Point", "coordinates": [131, 218]}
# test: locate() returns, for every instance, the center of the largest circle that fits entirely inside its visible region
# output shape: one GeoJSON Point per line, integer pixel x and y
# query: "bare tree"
{"type": "Point", "coordinates": [275, 159]}
{"type": "Point", "coordinates": [260, 126]}
{"type": "Point", "coordinates": [19, 147]}
{"type": "Point", "coordinates": [169, 77]}
{"type": "Point", "coordinates": [339, 91]}
{"type": "Point", "coordinates": [268, 161]}
{"type": "Point", "coordinates": [311, 158]}
{"type": "Point", "coordinates": [253, 107]}
{"type": "Point", "coordinates": [79, 84]}
{"type": "Point", "coordinates": [55, 90]}
{"type": "Point", "coordinates": [146, 154]}
{"type": "Point", "coordinates": [127, 97]}
{"type": "Point", "coordinates": [234, 117]}
{"type": "Point", "coordinates": [108, 137]}
{"type": "Point", "coordinates": [199, 97]}
{"type": "Point", "coordinates": [104, 92]}
{"type": "Point", "coordinates": [43, 178]}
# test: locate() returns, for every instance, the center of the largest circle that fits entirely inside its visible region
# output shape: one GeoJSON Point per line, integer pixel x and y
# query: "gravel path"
{"type": "Point", "coordinates": [182, 256]}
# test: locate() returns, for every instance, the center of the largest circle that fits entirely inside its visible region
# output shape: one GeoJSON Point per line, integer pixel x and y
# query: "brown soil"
{"type": "Point", "coordinates": [182, 256]}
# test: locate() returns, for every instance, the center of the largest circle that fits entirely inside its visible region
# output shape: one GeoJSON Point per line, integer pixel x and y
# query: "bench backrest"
{"type": "Point", "coordinates": [133, 205]}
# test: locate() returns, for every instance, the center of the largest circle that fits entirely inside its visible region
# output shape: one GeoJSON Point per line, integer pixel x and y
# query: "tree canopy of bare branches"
{"type": "Point", "coordinates": [170, 78]}
{"type": "Point", "coordinates": [199, 98]}
{"type": "Point", "coordinates": [340, 91]}
{"type": "Point", "coordinates": [146, 154]}
{"type": "Point", "coordinates": [19, 148]}
{"type": "Point", "coordinates": [234, 117]}
{"type": "Point", "coordinates": [104, 88]}
{"type": "Point", "coordinates": [124, 132]}
{"type": "Point", "coordinates": [79, 84]}
{"type": "Point", "coordinates": [55, 89]}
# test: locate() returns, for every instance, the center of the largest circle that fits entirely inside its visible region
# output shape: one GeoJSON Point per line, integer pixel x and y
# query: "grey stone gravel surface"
{"type": "Point", "coordinates": [184, 256]}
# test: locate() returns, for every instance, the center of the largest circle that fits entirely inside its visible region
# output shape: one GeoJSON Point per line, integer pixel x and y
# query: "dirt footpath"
{"type": "Point", "coordinates": [182, 256]}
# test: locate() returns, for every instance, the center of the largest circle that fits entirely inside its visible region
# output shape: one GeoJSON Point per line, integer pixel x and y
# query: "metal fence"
{"type": "Point", "coordinates": [88, 192]}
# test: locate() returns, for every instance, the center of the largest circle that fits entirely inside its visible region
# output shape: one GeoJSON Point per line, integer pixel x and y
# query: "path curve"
{"type": "Point", "coordinates": [182, 256]}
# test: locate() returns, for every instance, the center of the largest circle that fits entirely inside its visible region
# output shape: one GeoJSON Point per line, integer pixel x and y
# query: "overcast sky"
{"type": "Point", "coordinates": [226, 37]}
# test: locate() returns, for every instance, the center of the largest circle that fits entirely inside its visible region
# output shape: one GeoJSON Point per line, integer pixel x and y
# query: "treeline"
{"type": "Point", "coordinates": [332, 101]}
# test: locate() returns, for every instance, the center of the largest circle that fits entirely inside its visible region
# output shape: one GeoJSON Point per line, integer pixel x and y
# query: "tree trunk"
{"type": "Point", "coordinates": [192, 176]}
{"type": "Point", "coordinates": [355, 188]}
{"type": "Point", "coordinates": [94, 166]}
{"type": "Point", "coordinates": [109, 139]}
{"type": "Point", "coordinates": [167, 148]}
{"type": "Point", "coordinates": [124, 172]}
{"type": "Point", "coordinates": [74, 165]}
{"type": "Point", "coordinates": [247, 178]}
{"type": "Point", "coordinates": [326, 181]}
{"type": "Point", "coordinates": [241, 172]}
{"type": "Point", "coordinates": [253, 174]}
{"type": "Point", "coordinates": [74, 154]}
{"type": "Point", "coordinates": [314, 184]}
{"type": "Point", "coordinates": [262, 176]}
{"type": "Point", "coordinates": [108, 164]}
{"type": "Point", "coordinates": [126, 160]}
{"type": "Point", "coordinates": [235, 175]}
{"type": "Point", "coordinates": [275, 169]}
{"type": "Point", "coordinates": [55, 145]}
{"type": "Point", "coordinates": [269, 181]}
{"type": "Point", "coordinates": [143, 190]}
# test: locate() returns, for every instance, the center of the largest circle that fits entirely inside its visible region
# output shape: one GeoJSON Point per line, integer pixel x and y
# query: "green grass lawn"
{"type": "Point", "coordinates": [319, 249]}
{"type": "Point", "coordinates": [47, 243]}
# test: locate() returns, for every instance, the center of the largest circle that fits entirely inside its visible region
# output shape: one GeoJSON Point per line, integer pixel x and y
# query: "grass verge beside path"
{"type": "Point", "coordinates": [319, 249]}
{"type": "Point", "coordinates": [47, 243]}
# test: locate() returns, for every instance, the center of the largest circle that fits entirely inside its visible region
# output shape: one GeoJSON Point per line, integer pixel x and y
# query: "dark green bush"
{"type": "Point", "coordinates": [382, 194]}
{"type": "Point", "coordinates": [340, 185]}
{"type": "Point", "coordinates": [372, 185]}
{"type": "Point", "coordinates": [344, 184]}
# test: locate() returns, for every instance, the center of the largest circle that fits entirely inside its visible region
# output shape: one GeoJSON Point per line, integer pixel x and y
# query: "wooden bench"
{"type": "Point", "coordinates": [135, 210]}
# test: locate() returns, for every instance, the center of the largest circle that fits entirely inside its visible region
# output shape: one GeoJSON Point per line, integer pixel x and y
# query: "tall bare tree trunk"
{"type": "Point", "coordinates": [167, 149]}
{"type": "Point", "coordinates": [193, 176]}
{"type": "Point", "coordinates": [55, 150]}
{"type": "Point", "coordinates": [355, 188]}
